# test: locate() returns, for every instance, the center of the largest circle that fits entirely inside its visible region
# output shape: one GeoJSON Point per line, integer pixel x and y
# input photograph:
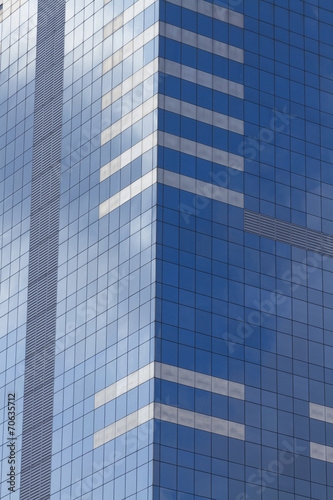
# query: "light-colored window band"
{"type": "Point", "coordinates": [173, 415]}
{"type": "Point", "coordinates": [127, 50]}
{"type": "Point", "coordinates": [128, 192]}
{"type": "Point", "coordinates": [175, 143]}
{"type": "Point", "coordinates": [129, 119]}
{"type": "Point", "coordinates": [201, 42]}
{"type": "Point", "coordinates": [201, 114]}
{"type": "Point", "coordinates": [172, 179]}
{"type": "Point", "coordinates": [199, 421]}
{"type": "Point", "coordinates": [205, 8]}
{"type": "Point", "coordinates": [172, 69]}
{"type": "Point", "coordinates": [135, 97]}
{"type": "Point", "coordinates": [172, 374]}
{"type": "Point", "coordinates": [128, 156]}
{"type": "Point", "coordinates": [201, 151]}
{"type": "Point", "coordinates": [177, 34]}
{"type": "Point", "coordinates": [321, 452]}
{"type": "Point", "coordinates": [200, 188]}
{"type": "Point", "coordinates": [124, 425]}
{"type": "Point", "coordinates": [124, 385]}
{"type": "Point", "coordinates": [211, 10]}
{"type": "Point", "coordinates": [201, 78]}
{"type": "Point", "coordinates": [130, 83]}
{"type": "Point", "coordinates": [175, 106]}
{"type": "Point", "coordinates": [199, 380]}
{"type": "Point", "coordinates": [126, 16]}
{"type": "Point", "coordinates": [319, 412]}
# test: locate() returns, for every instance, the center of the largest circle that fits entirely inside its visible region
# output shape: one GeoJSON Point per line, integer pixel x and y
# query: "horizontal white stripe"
{"type": "Point", "coordinates": [212, 10]}
{"type": "Point", "coordinates": [201, 42]}
{"type": "Point", "coordinates": [128, 192]}
{"type": "Point", "coordinates": [172, 374]}
{"type": "Point", "coordinates": [199, 421]}
{"type": "Point", "coordinates": [173, 415]}
{"type": "Point", "coordinates": [175, 106]}
{"type": "Point", "coordinates": [202, 151]}
{"type": "Point", "coordinates": [321, 452]}
{"type": "Point", "coordinates": [129, 119]}
{"type": "Point", "coordinates": [124, 385]}
{"type": "Point", "coordinates": [127, 50]}
{"type": "Point", "coordinates": [172, 179]}
{"type": "Point", "coordinates": [200, 188]}
{"type": "Point", "coordinates": [126, 16]}
{"type": "Point", "coordinates": [124, 425]}
{"type": "Point", "coordinates": [199, 380]}
{"type": "Point", "coordinates": [201, 78]}
{"type": "Point", "coordinates": [201, 114]}
{"type": "Point", "coordinates": [319, 412]}
{"type": "Point", "coordinates": [128, 156]}
{"type": "Point", "coordinates": [130, 83]}
{"type": "Point", "coordinates": [176, 143]}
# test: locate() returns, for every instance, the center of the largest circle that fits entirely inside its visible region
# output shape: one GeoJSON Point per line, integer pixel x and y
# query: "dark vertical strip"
{"type": "Point", "coordinates": [43, 260]}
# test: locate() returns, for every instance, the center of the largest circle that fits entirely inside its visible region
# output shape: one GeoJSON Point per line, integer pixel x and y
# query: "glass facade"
{"type": "Point", "coordinates": [177, 154]}
{"type": "Point", "coordinates": [18, 28]}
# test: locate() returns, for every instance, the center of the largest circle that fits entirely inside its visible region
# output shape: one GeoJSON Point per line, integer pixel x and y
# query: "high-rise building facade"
{"type": "Point", "coordinates": [166, 301]}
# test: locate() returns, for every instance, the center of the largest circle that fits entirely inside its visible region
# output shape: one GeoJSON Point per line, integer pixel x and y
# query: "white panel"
{"type": "Point", "coordinates": [318, 451]}
{"type": "Point", "coordinates": [236, 431]}
{"type": "Point", "coordinates": [220, 426]}
{"type": "Point", "coordinates": [236, 390]}
{"type": "Point", "coordinates": [319, 412]}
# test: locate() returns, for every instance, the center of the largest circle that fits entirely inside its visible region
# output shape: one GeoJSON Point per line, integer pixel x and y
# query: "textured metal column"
{"type": "Point", "coordinates": [43, 262]}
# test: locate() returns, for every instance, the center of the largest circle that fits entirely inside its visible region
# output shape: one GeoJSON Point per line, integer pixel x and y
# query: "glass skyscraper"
{"type": "Point", "coordinates": [166, 203]}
